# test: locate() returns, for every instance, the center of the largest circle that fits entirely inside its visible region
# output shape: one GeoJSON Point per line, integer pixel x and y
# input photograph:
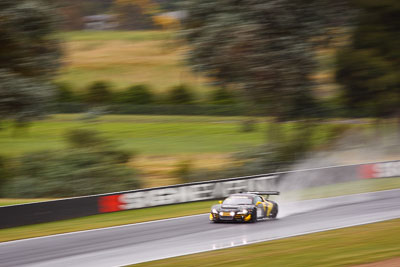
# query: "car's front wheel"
{"type": "Point", "coordinates": [254, 216]}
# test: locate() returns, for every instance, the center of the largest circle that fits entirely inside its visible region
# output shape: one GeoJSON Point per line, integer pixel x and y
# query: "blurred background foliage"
{"type": "Point", "coordinates": [29, 58]}
{"type": "Point", "coordinates": [295, 73]}
{"type": "Point", "coordinates": [90, 165]}
{"type": "Point", "coordinates": [368, 68]}
{"type": "Point", "coordinates": [270, 44]}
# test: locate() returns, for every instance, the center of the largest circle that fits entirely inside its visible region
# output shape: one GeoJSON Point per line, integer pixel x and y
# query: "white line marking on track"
{"type": "Point", "coordinates": [170, 219]}
{"type": "Point", "coordinates": [100, 229]}
{"type": "Point", "coordinates": [275, 238]}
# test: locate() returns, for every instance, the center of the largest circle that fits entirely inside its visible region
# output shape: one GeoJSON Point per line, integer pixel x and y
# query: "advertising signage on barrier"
{"type": "Point", "coordinates": [181, 194]}
{"type": "Point", "coordinates": [380, 170]}
{"type": "Point", "coordinates": [47, 211]}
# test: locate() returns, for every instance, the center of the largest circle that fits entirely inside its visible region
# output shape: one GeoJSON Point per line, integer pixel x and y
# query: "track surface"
{"type": "Point", "coordinates": [136, 243]}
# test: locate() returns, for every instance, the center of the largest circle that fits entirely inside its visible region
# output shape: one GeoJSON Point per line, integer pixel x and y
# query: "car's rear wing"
{"type": "Point", "coordinates": [265, 193]}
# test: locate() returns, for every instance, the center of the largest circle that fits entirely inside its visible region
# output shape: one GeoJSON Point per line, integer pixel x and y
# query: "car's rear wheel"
{"type": "Point", "coordinates": [274, 211]}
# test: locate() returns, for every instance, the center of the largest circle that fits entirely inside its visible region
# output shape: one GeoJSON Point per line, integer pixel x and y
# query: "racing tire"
{"type": "Point", "coordinates": [254, 216]}
{"type": "Point", "coordinates": [215, 221]}
{"type": "Point", "coordinates": [274, 212]}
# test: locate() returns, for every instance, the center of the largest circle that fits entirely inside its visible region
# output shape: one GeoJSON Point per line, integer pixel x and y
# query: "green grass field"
{"type": "Point", "coordinates": [163, 212]}
{"type": "Point", "coordinates": [159, 143]}
{"type": "Point", "coordinates": [143, 134]}
{"type": "Point", "coordinates": [148, 135]}
{"type": "Point", "coordinates": [343, 247]}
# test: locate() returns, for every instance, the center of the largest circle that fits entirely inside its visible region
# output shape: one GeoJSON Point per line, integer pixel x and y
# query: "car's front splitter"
{"type": "Point", "coordinates": [236, 218]}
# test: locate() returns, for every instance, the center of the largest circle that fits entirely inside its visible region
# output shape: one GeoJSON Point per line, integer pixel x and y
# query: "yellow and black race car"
{"type": "Point", "coordinates": [245, 207]}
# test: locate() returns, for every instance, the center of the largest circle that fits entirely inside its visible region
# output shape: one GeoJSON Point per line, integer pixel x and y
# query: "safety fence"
{"type": "Point", "coordinates": [31, 213]}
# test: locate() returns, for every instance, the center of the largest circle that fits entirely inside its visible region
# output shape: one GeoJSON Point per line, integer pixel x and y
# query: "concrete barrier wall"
{"type": "Point", "coordinates": [24, 214]}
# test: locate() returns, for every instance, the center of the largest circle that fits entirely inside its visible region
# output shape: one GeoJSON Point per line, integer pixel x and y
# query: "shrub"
{"type": "Point", "coordinates": [99, 92]}
{"type": "Point", "coordinates": [64, 93]}
{"type": "Point", "coordinates": [91, 165]}
{"type": "Point", "coordinates": [73, 172]}
{"type": "Point", "coordinates": [204, 110]}
{"type": "Point", "coordinates": [180, 95]}
{"type": "Point", "coordinates": [138, 94]}
{"type": "Point", "coordinates": [80, 138]}
{"type": "Point", "coordinates": [5, 173]}
{"type": "Point", "coordinates": [183, 170]}
{"type": "Point", "coordinates": [222, 96]}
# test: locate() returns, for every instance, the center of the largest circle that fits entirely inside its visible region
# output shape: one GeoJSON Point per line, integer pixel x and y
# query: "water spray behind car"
{"type": "Point", "coordinates": [353, 148]}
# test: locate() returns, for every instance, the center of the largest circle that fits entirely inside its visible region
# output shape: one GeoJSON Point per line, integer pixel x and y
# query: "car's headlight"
{"type": "Point", "coordinates": [221, 213]}
{"type": "Point", "coordinates": [214, 211]}
{"type": "Point", "coordinates": [232, 213]}
{"type": "Point", "coordinates": [244, 212]}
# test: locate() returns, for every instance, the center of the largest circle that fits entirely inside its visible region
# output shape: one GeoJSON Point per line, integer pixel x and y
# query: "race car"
{"type": "Point", "coordinates": [245, 207]}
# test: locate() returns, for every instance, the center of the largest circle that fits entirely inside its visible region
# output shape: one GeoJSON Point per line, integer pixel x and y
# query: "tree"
{"type": "Point", "coordinates": [29, 57]}
{"type": "Point", "coordinates": [369, 67]}
{"type": "Point", "coordinates": [263, 47]}
{"type": "Point", "coordinates": [266, 50]}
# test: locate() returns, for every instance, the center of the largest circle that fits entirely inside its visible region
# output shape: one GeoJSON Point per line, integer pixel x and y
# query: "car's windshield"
{"type": "Point", "coordinates": [238, 200]}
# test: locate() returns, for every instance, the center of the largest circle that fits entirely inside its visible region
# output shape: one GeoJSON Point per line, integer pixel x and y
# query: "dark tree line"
{"type": "Point", "coordinates": [265, 48]}
{"type": "Point", "coordinates": [369, 67]}
{"type": "Point", "coordinates": [29, 60]}
{"type": "Point", "coordinates": [29, 57]}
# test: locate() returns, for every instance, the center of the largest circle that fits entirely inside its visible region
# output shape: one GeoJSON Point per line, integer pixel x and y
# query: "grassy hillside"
{"type": "Point", "coordinates": [160, 143]}
{"type": "Point", "coordinates": [125, 58]}
{"type": "Point", "coordinates": [151, 57]}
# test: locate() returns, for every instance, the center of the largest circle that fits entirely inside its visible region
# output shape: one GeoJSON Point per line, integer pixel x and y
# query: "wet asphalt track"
{"type": "Point", "coordinates": [136, 243]}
